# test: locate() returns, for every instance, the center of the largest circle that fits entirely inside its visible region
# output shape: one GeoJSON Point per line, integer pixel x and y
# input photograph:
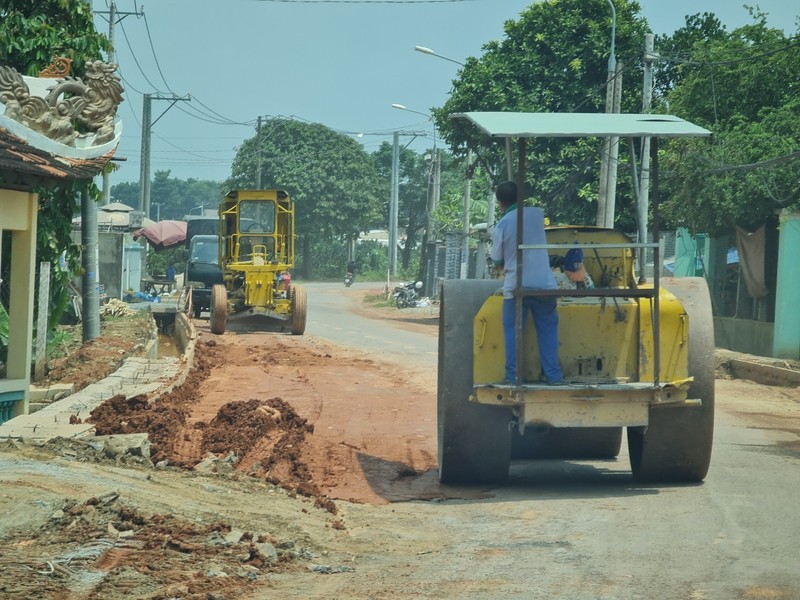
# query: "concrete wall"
{"type": "Point", "coordinates": [743, 335]}
{"type": "Point", "coordinates": [119, 261]}
{"type": "Point", "coordinates": [109, 256]}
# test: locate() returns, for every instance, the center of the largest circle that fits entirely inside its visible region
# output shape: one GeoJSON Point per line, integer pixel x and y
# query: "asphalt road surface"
{"type": "Point", "coordinates": [557, 529]}
{"type": "Point", "coordinates": [585, 529]}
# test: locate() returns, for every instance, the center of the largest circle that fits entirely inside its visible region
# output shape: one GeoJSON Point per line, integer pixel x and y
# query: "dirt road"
{"type": "Point", "coordinates": [323, 485]}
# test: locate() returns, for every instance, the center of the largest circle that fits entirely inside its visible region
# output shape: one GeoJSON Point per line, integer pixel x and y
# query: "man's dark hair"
{"type": "Point", "coordinates": [506, 193]}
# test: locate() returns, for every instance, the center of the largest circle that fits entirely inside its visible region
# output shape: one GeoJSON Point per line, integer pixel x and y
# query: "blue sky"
{"type": "Point", "coordinates": [340, 64]}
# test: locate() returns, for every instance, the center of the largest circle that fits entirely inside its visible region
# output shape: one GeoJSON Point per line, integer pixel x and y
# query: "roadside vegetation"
{"type": "Point", "coordinates": [741, 84]}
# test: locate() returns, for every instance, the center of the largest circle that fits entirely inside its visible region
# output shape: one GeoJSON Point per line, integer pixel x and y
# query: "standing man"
{"type": "Point", "coordinates": [536, 274]}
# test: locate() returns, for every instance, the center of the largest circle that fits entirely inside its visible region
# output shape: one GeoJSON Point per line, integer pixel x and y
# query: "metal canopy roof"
{"type": "Point", "coordinates": [518, 124]}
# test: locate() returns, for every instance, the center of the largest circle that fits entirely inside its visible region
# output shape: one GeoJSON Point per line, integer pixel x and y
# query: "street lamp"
{"type": "Point", "coordinates": [430, 52]}
{"type": "Point", "coordinates": [404, 107]}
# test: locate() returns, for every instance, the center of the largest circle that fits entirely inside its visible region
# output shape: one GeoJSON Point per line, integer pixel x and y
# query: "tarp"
{"type": "Point", "coordinates": [163, 234]}
{"type": "Point", "coordinates": [752, 250]}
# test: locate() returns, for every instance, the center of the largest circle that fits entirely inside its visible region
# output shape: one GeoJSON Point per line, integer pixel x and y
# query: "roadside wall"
{"type": "Point", "coordinates": [743, 335]}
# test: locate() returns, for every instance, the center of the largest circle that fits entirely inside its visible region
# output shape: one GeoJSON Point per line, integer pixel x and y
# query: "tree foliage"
{"type": "Point", "coordinates": [553, 59]}
{"type": "Point", "coordinates": [415, 180]}
{"type": "Point", "coordinates": [743, 86]}
{"type": "Point", "coordinates": [32, 34]}
{"type": "Point", "coordinates": [171, 198]}
{"type": "Point", "coordinates": [337, 190]}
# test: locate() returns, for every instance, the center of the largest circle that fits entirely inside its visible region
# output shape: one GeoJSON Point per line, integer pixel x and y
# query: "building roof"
{"type": "Point", "coordinates": [24, 165]}
{"type": "Point", "coordinates": [57, 128]}
{"type": "Point", "coordinates": [518, 124]}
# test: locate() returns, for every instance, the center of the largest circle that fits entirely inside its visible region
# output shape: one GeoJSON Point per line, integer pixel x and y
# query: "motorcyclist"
{"type": "Point", "coordinates": [351, 270]}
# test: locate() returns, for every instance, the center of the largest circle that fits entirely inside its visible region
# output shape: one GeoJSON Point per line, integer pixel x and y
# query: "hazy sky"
{"type": "Point", "coordinates": [342, 64]}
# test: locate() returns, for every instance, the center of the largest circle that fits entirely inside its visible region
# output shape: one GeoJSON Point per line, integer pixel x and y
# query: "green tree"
{"type": "Point", "coordinates": [553, 59]}
{"type": "Point", "coordinates": [742, 86]}
{"type": "Point", "coordinates": [32, 33]}
{"type": "Point", "coordinates": [673, 50]}
{"type": "Point", "coordinates": [334, 182]}
{"type": "Point", "coordinates": [171, 198]}
{"type": "Point", "coordinates": [414, 183]}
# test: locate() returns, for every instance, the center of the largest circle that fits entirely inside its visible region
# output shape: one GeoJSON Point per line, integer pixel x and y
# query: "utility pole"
{"type": "Point", "coordinates": [437, 184]}
{"type": "Point", "coordinates": [144, 173]}
{"type": "Point", "coordinates": [605, 153]}
{"type": "Point", "coordinates": [644, 177]}
{"type": "Point", "coordinates": [394, 203]}
{"type": "Point", "coordinates": [90, 301]}
{"type": "Point", "coordinates": [258, 154]}
{"type": "Point", "coordinates": [147, 126]}
{"type": "Point", "coordinates": [613, 156]}
{"type": "Point", "coordinates": [465, 230]}
{"type": "Point", "coordinates": [144, 166]}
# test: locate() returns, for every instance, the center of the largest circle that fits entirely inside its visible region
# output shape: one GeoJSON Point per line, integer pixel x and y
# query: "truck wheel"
{"type": "Point", "coordinates": [299, 309]}
{"type": "Point", "coordinates": [196, 310]}
{"type": "Point", "coordinates": [474, 439]}
{"type": "Point", "coordinates": [676, 445]}
{"type": "Point", "coordinates": [567, 442]}
{"type": "Point", "coordinates": [219, 309]}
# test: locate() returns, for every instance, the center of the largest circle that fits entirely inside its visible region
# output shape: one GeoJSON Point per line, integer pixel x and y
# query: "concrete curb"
{"type": "Point", "coordinates": [760, 369]}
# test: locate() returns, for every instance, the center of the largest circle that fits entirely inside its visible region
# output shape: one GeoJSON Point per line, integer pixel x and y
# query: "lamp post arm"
{"type": "Point", "coordinates": [612, 59]}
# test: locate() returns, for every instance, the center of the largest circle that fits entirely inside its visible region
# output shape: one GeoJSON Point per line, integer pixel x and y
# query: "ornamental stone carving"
{"type": "Point", "coordinates": [71, 110]}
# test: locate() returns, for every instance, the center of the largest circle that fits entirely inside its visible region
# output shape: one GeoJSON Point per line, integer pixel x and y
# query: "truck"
{"type": "Point", "coordinates": [202, 271]}
{"type": "Point", "coordinates": [637, 355]}
{"type": "Point", "coordinates": [256, 255]}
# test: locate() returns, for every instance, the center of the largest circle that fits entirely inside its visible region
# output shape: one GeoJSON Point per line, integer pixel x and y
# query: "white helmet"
{"type": "Point", "coordinates": [418, 285]}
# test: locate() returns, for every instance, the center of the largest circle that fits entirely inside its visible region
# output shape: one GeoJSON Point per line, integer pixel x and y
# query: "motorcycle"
{"type": "Point", "coordinates": [349, 278]}
{"type": "Point", "coordinates": [406, 295]}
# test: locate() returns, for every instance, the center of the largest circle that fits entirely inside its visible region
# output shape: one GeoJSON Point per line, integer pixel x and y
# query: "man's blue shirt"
{"type": "Point", "coordinates": [537, 274]}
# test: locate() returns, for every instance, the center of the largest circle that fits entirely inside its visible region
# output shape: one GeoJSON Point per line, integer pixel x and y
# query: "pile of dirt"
{"type": "Point", "coordinates": [263, 438]}
{"type": "Point", "coordinates": [106, 546]}
{"type": "Point", "coordinates": [267, 437]}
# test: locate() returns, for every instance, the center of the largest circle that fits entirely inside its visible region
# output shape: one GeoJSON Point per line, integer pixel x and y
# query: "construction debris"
{"type": "Point", "coordinates": [116, 308]}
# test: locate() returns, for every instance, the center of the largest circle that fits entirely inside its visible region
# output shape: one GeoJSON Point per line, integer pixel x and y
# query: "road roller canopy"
{"type": "Point", "coordinates": [523, 125]}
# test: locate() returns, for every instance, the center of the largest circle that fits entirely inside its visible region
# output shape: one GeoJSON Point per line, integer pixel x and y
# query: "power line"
{"type": "Point", "coordinates": [367, 1]}
{"type": "Point", "coordinates": [793, 42]}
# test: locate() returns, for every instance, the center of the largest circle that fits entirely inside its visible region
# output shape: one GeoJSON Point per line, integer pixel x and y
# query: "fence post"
{"type": "Point", "coordinates": [43, 312]}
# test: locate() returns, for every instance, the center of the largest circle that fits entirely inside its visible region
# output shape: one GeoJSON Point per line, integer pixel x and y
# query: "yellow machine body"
{"type": "Point", "coordinates": [256, 249]}
{"type": "Point", "coordinates": [606, 349]}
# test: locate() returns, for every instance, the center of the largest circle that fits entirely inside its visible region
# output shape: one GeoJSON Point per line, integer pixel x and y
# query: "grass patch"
{"type": "Point", "coordinates": [378, 300]}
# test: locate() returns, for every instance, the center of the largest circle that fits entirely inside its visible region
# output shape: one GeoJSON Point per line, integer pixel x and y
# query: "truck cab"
{"type": "Point", "coordinates": [203, 271]}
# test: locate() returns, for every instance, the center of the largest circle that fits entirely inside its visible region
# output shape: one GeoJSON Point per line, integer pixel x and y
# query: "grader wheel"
{"type": "Point", "coordinates": [299, 309]}
{"type": "Point", "coordinates": [676, 445]}
{"type": "Point", "coordinates": [474, 439]}
{"type": "Point", "coordinates": [219, 309]}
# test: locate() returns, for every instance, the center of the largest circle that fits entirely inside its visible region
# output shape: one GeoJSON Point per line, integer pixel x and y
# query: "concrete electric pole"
{"type": "Point", "coordinates": [258, 154]}
{"type": "Point", "coordinates": [394, 202]}
{"type": "Point", "coordinates": [147, 126]}
{"type": "Point", "coordinates": [644, 176]}
{"type": "Point", "coordinates": [605, 204]}
{"type": "Point", "coordinates": [465, 230]}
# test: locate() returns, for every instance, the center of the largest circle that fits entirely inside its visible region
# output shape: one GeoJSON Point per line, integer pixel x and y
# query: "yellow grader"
{"type": "Point", "coordinates": [637, 355]}
{"type": "Point", "coordinates": [256, 255]}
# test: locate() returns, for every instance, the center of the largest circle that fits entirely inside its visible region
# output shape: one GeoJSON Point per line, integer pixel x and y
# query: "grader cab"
{"type": "Point", "coordinates": [635, 354]}
{"type": "Point", "coordinates": [256, 255]}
